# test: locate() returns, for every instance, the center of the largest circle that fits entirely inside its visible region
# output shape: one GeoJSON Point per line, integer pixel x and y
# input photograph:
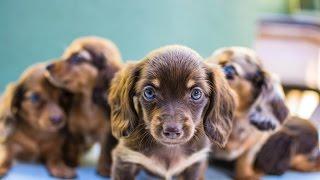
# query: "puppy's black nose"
{"type": "Point", "coordinates": [56, 119]}
{"type": "Point", "coordinates": [172, 131]}
{"type": "Point", "coordinates": [50, 67]}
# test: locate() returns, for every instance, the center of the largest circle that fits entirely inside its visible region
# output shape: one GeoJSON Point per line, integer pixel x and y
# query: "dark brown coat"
{"type": "Point", "coordinates": [165, 109]}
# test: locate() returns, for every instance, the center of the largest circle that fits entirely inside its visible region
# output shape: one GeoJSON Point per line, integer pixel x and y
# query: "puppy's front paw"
{"type": "Point", "coordinates": [4, 170]}
{"type": "Point", "coordinates": [104, 171]}
{"type": "Point", "coordinates": [62, 171]}
{"type": "Point", "coordinates": [252, 177]}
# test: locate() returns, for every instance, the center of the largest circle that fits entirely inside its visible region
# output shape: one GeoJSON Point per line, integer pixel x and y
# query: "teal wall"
{"type": "Point", "coordinates": [37, 30]}
{"type": "Point", "coordinates": [274, 6]}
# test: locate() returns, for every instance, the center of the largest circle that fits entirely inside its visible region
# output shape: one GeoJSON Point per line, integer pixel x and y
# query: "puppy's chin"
{"type": "Point", "coordinates": [50, 128]}
{"type": "Point", "coordinates": [156, 134]}
{"type": "Point", "coordinates": [53, 129]}
{"type": "Point", "coordinates": [171, 143]}
{"type": "Point", "coordinates": [68, 85]}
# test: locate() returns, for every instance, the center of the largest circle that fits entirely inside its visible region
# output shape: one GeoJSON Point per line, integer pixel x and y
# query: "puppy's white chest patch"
{"type": "Point", "coordinates": [158, 167]}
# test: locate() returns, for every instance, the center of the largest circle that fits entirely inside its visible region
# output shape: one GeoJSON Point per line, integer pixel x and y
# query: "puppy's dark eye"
{"type": "Point", "coordinates": [258, 79]}
{"type": "Point", "coordinates": [229, 71]}
{"type": "Point", "coordinates": [149, 93]}
{"type": "Point", "coordinates": [196, 93]}
{"type": "Point", "coordinates": [34, 97]}
{"type": "Point", "coordinates": [76, 59]}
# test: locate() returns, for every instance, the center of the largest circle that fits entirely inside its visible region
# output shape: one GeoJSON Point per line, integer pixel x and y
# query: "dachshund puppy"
{"type": "Point", "coordinates": [164, 111]}
{"type": "Point", "coordinates": [260, 108]}
{"type": "Point", "coordinates": [86, 69]}
{"type": "Point", "coordinates": [33, 116]}
{"type": "Point", "coordinates": [295, 146]}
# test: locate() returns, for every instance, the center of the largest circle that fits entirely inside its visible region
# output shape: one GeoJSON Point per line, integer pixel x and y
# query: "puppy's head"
{"type": "Point", "coordinates": [34, 101]}
{"type": "Point", "coordinates": [172, 94]}
{"type": "Point", "coordinates": [259, 94]}
{"type": "Point", "coordinates": [86, 63]}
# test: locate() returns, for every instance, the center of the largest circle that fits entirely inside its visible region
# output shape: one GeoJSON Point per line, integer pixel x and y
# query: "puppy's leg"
{"type": "Point", "coordinates": [72, 149]}
{"type": "Point", "coordinates": [56, 165]}
{"type": "Point", "coordinates": [5, 159]}
{"type": "Point", "coordinates": [57, 168]}
{"type": "Point", "coordinates": [123, 170]}
{"type": "Point", "coordinates": [105, 160]}
{"type": "Point", "coordinates": [244, 168]}
{"type": "Point", "coordinates": [194, 172]}
{"type": "Point", "coordinates": [305, 163]}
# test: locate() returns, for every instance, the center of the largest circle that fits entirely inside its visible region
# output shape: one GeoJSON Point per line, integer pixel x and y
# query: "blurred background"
{"type": "Point", "coordinates": [285, 33]}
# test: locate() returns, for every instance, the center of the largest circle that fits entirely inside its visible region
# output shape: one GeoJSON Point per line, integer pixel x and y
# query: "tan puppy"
{"type": "Point", "coordinates": [33, 115]}
{"type": "Point", "coordinates": [86, 69]}
{"type": "Point", "coordinates": [260, 107]}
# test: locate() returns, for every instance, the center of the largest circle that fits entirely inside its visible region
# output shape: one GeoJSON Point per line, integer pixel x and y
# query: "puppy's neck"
{"type": "Point", "coordinates": [93, 95]}
{"type": "Point", "coordinates": [83, 101]}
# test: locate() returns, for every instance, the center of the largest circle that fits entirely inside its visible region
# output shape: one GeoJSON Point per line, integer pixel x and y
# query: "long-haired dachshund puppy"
{"type": "Point", "coordinates": [33, 116]}
{"type": "Point", "coordinates": [86, 69]}
{"type": "Point", "coordinates": [165, 109]}
{"type": "Point", "coordinates": [295, 146]}
{"type": "Point", "coordinates": [260, 107]}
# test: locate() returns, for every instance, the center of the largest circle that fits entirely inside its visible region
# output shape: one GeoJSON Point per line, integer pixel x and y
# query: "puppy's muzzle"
{"type": "Point", "coordinates": [172, 130]}
{"type": "Point", "coordinates": [262, 123]}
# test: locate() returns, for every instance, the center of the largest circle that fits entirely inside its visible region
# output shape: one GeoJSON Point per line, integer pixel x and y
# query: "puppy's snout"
{"type": "Point", "coordinates": [172, 131]}
{"type": "Point", "coordinates": [56, 119]}
{"type": "Point", "coordinates": [50, 67]}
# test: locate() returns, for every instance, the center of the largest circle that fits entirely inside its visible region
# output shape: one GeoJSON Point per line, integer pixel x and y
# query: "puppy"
{"type": "Point", "coordinates": [295, 146]}
{"type": "Point", "coordinates": [260, 108]}
{"type": "Point", "coordinates": [164, 111]}
{"type": "Point", "coordinates": [86, 69]}
{"type": "Point", "coordinates": [33, 115]}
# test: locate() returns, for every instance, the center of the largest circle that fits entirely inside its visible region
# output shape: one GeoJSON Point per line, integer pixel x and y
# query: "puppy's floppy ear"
{"type": "Point", "coordinates": [124, 117]}
{"type": "Point", "coordinates": [219, 114]}
{"type": "Point", "coordinates": [10, 102]}
{"type": "Point", "coordinates": [269, 110]}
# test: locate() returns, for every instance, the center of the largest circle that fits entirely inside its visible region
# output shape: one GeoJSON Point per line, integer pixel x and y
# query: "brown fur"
{"type": "Point", "coordinates": [260, 108]}
{"type": "Point", "coordinates": [171, 74]}
{"type": "Point", "coordinates": [33, 109]}
{"type": "Point", "coordinates": [295, 146]}
{"type": "Point", "coordinates": [86, 69]}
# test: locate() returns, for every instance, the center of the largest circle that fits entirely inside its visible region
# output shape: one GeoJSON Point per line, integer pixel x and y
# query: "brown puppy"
{"type": "Point", "coordinates": [34, 120]}
{"type": "Point", "coordinates": [165, 109]}
{"type": "Point", "coordinates": [260, 107]}
{"type": "Point", "coordinates": [86, 69]}
{"type": "Point", "coordinates": [295, 146]}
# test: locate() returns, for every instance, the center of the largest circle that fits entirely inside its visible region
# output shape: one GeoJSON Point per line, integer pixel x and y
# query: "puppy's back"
{"type": "Point", "coordinates": [297, 136]}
